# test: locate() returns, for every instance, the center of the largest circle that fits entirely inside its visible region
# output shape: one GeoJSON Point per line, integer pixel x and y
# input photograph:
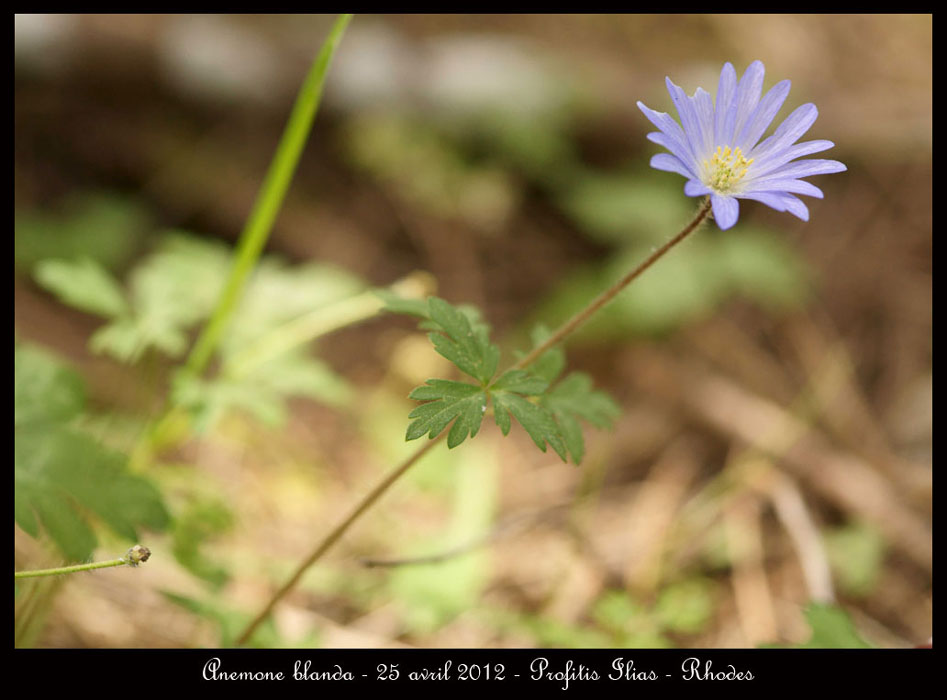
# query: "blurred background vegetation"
{"type": "Point", "coordinates": [768, 482]}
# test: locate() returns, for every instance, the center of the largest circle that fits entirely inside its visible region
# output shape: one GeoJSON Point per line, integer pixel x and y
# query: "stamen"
{"type": "Point", "coordinates": [726, 169]}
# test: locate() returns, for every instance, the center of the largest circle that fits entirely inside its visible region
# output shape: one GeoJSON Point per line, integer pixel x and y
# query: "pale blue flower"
{"type": "Point", "coordinates": [719, 149]}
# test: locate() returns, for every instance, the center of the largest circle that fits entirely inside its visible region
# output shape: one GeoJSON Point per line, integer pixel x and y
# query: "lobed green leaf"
{"type": "Point", "coordinates": [572, 398]}
{"type": "Point", "coordinates": [447, 401]}
{"type": "Point", "coordinates": [60, 472]}
{"type": "Point", "coordinates": [520, 381]}
{"type": "Point", "coordinates": [44, 389]}
{"type": "Point", "coordinates": [536, 420]}
{"type": "Point", "coordinates": [465, 344]}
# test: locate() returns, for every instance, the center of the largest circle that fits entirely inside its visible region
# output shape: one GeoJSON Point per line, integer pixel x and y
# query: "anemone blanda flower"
{"type": "Point", "coordinates": [719, 149]}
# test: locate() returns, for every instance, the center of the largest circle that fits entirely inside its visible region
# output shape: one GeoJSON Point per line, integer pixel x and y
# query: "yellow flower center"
{"type": "Point", "coordinates": [726, 169]}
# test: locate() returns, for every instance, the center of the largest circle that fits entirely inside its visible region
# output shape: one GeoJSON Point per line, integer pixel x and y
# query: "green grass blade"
{"type": "Point", "coordinates": [270, 199]}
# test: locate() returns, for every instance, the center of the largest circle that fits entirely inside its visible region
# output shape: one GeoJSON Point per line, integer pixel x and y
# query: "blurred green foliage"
{"type": "Point", "coordinates": [83, 284]}
{"type": "Point", "coordinates": [175, 287]}
{"type": "Point", "coordinates": [832, 628]}
{"type": "Point", "coordinates": [202, 518]}
{"type": "Point", "coordinates": [682, 607]}
{"type": "Point", "coordinates": [61, 473]}
{"type": "Point", "coordinates": [426, 170]}
{"type": "Point", "coordinates": [685, 607]}
{"type": "Point", "coordinates": [618, 619]}
{"type": "Point", "coordinates": [104, 227]}
{"type": "Point", "coordinates": [856, 552]}
{"type": "Point", "coordinates": [628, 623]}
{"type": "Point", "coordinates": [230, 623]}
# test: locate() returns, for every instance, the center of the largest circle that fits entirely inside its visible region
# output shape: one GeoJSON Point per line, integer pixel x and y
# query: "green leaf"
{"type": "Point", "coordinates": [230, 622]}
{"type": "Point", "coordinates": [44, 390]}
{"type": "Point", "coordinates": [263, 392]}
{"type": "Point", "coordinates": [175, 287]}
{"type": "Point", "coordinates": [202, 518]}
{"type": "Point", "coordinates": [573, 398]}
{"type": "Point", "coordinates": [536, 420]}
{"type": "Point", "coordinates": [297, 374]}
{"type": "Point", "coordinates": [61, 472]}
{"type": "Point", "coordinates": [278, 293]}
{"type": "Point", "coordinates": [180, 282]}
{"type": "Point", "coordinates": [58, 515]}
{"type": "Point", "coordinates": [104, 227]}
{"type": "Point", "coordinates": [520, 382]}
{"type": "Point", "coordinates": [127, 338]}
{"type": "Point", "coordinates": [57, 469]}
{"type": "Point", "coordinates": [465, 344]}
{"type": "Point", "coordinates": [66, 465]}
{"type": "Point", "coordinates": [447, 400]}
{"type": "Point", "coordinates": [832, 628]}
{"type": "Point", "coordinates": [208, 400]}
{"type": "Point", "coordinates": [84, 284]}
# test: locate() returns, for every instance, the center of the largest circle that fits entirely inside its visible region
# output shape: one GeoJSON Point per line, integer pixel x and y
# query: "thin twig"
{"type": "Point", "coordinates": [133, 557]}
{"type": "Point", "coordinates": [504, 529]}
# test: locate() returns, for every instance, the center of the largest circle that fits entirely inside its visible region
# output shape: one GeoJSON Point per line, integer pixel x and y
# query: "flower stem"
{"type": "Point", "coordinates": [269, 200]}
{"type": "Point", "coordinates": [367, 501]}
{"type": "Point", "coordinates": [133, 557]}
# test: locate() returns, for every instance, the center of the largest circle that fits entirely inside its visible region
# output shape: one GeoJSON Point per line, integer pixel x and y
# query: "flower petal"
{"type": "Point", "coordinates": [672, 130]}
{"type": "Point", "coordinates": [770, 199]}
{"type": "Point", "coordinates": [809, 147]}
{"type": "Point", "coordinates": [780, 202]}
{"type": "Point", "coordinates": [688, 114]}
{"type": "Point", "coordinates": [704, 109]}
{"type": "Point", "coordinates": [696, 188]}
{"type": "Point", "coordinates": [787, 133]}
{"type": "Point", "coordinates": [765, 165]}
{"type": "Point", "coordinates": [811, 166]}
{"type": "Point", "coordinates": [763, 116]}
{"type": "Point", "coordinates": [667, 162]}
{"type": "Point", "coordinates": [681, 152]}
{"type": "Point", "coordinates": [726, 210]}
{"type": "Point", "coordinates": [664, 121]}
{"type": "Point", "coordinates": [783, 185]}
{"type": "Point", "coordinates": [796, 207]}
{"type": "Point", "coordinates": [748, 94]}
{"type": "Point", "coordinates": [723, 112]}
